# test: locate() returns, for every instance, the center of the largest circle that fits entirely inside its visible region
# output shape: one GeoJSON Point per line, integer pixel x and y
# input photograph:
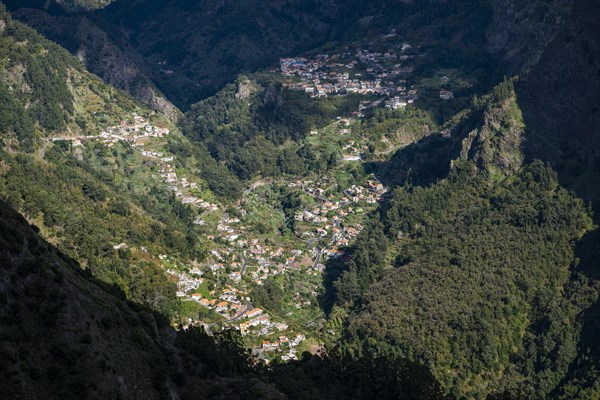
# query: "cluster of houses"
{"type": "Point", "coordinates": [283, 344]}
{"type": "Point", "coordinates": [329, 219]}
{"type": "Point", "coordinates": [186, 280]}
{"type": "Point", "coordinates": [181, 186]}
{"type": "Point", "coordinates": [235, 307]}
{"type": "Point", "coordinates": [362, 72]}
{"type": "Point", "coordinates": [351, 151]}
{"type": "Point", "coordinates": [135, 131]}
{"type": "Point", "coordinates": [238, 253]}
{"type": "Point", "coordinates": [404, 98]}
{"type": "Point", "coordinates": [370, 192]}
{"type": "Point", "coordinates": [235, 251]}
{"type": "Point", "coordinates": [229, 302]}
{"type": "Point", "coordinates": [240, 258]}
{"type": "Point", "coordinates": [252, 257]}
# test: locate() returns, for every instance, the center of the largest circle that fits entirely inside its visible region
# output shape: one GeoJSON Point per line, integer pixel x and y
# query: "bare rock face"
{"type": "Point", "coordinates": [520, 31]}
{"type": "Point", "coordinates": [79, 5]}
{"type": "Point", "coordinates": [273, 95]}
{"type": "Point", "coordinates": [115, 63]}
{"type": "Point", "coordinates": [2, 26]}
{"type": "Point", "coordinates": [244, 89]}
{"type": "Point", "coordinates": [157, 101]}
{"type": "Point", "coordinates": [496, 146]}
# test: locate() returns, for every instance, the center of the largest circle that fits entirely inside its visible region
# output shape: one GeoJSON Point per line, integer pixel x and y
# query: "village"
{"type": "Point", "coordinates": [135, 131]}
{"type": "Point", "coordinates": [382, 74]}
{"type": "Point", "coordinates": [138, 133]}
{"type": "Point", "coordinates": [241, 260]}
{"type": "Point", "coordinates": [239, 257]}
{"type": "Point", "coordinates": [361, 72]}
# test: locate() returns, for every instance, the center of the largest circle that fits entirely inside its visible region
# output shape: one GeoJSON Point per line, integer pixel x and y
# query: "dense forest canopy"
{"type": "Point", "coordinates": [472, 278]}
{"type": "Point", "coordinates": [255, 128]}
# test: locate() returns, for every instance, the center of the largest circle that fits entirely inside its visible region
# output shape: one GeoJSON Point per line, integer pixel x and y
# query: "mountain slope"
{"type": "Point", "coordinates": [554, 47]}
{"type": "Point", "coordinates": [64, 335]}
{"type": "Point", "coordinates": [475, 275]}
{"type": "Point", "coordinates": [559, 100]}
{"type": "Point", "coordinates": [481, 269]}
{"type": "Point", "coordinates": [99, 50]}
{"type": "Point", "coordinates": [91, 195]}
{"type": "Point", "coordinates": [164, 40]}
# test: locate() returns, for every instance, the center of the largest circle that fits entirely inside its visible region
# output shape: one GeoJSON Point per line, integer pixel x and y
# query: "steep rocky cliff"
{"type": "Point", "coordinates": [496, 145]}
{"type": "Point", "coordinates": [117, 63]}
{"type": "Point", "coordinates": [520, 31]}
{"type": "Point", "coordinates": [555, 47]}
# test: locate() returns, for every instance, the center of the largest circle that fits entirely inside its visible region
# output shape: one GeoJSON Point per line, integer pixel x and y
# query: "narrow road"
{"type": "Point", "coordinates": [252, 187]}
{"type": "Point", "coordinates": [245, 264]}
{"type": "Point", "coordinates": [389, 150]}
{"type": "Point", "coordinates": [317, 258]}
{"type": "Point", "coordinates": [240, 314]}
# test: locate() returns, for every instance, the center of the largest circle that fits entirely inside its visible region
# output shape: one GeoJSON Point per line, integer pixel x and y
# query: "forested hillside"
{"type": "Point", "coordinates": [108, 341]}
{"type": "Point", "coordinates": [255, 128]}
{"type": "Point", "coordinates": [477, 281]}
{"type": "Point", "coordinates": [38, 73]}
{"type": "Point", "coordinates": [66, 335]}
{"type": "Point", "coordinates": [475, 275]}
{"type": "Point", "coordinates": [86, 199]}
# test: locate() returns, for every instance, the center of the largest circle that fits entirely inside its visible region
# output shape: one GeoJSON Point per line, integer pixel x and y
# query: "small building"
{"type": "Point", "coordinates": [446, 94]}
